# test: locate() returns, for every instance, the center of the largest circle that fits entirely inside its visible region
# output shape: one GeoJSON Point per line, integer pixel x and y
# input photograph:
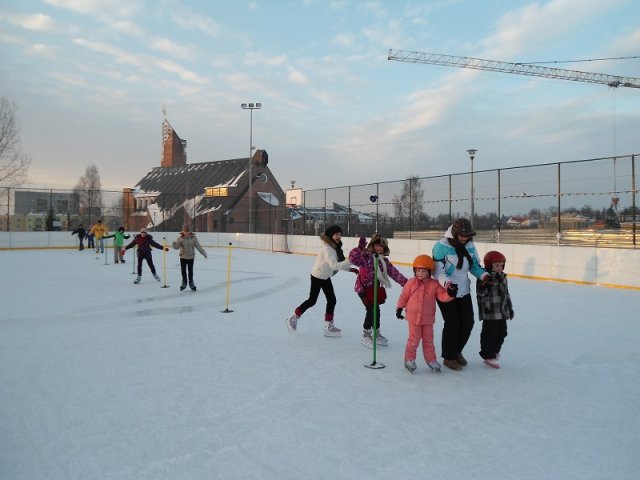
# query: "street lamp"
{"type": "Point", "coordinates": [251, 107]}
{"type": "Point", "coordinates": [472, 154]}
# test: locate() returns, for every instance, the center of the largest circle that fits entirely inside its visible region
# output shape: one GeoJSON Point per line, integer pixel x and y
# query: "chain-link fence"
{"type": "Point", "coordinates": [585, 202]}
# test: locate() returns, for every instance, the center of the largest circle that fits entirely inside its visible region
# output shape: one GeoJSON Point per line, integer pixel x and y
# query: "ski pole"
{"type": "Point", "coordinates": [226, 308]}
{"type": "Point", "coordinates": [375, 365]}
{"type": "Point", "coordinates": [164, 262]}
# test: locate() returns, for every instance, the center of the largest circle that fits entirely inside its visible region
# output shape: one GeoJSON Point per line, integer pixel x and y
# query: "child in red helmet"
{"type": "Point", "coordinates": [494, 308]}
{"type": "Point", "coordinates": [419, 298]}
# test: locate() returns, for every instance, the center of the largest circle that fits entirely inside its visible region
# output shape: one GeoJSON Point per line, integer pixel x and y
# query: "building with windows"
{"type": "Point", "coordinates": [209, 196]}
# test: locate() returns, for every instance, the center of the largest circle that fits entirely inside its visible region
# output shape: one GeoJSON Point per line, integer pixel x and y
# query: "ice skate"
{"type": "Point", "coordinates": [192, 286]}
{"type": "Point", "coordinates": [435, 366]}
{"type": "Point", "coordinates": [367, 339]}
{"type": "Point", "coordinates": [381, 340]}
{"type": "Point", "coordinates": [183, 286]}
{"type": "Point", "coordinates": [410, 365]}
{"type": "Point", "coordinates": [491, 362]}
{"type": "Point", "coordinates": [156, 277]}
{"type": "Point", "coordinates": [292, 323]}
{"type": "Point", "coordinates": [330, 330]}
{"type": "Point", "coordinates": [137, 280]}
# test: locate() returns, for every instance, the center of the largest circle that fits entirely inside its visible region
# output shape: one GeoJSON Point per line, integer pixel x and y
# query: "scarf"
{"type": "Point", "coordinates": [461, 252]}
{"type": "Point", "coordinates": [383, 274]}
{"type": "Point", "coordinates": [339, 251]}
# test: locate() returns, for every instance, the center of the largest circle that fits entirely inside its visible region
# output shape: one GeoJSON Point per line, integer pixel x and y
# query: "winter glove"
{"type": "Point", "coordinates": [362, 243]}
{"type": "Point", "coordinates": [452, 290]}
{"type": "Point", "coordinates": [123, 251]}
{"type": "Point", "coordinates": [354, 270]}
{"type": "Point", "coordinates": [166, 249]}
{"type": "Point", "coordinates": [399, 315]}
{"type": "Point", "coordinates": [511, 314]}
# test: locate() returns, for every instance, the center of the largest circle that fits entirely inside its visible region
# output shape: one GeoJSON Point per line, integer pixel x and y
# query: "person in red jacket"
{"type": "Point", "coordinates": [418, 297]}
{"type": "Point", "coordinates": [144, 242]}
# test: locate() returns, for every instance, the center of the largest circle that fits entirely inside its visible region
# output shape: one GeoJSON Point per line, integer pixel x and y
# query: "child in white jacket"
{"type": "Point", "coordinates": [329, 260]}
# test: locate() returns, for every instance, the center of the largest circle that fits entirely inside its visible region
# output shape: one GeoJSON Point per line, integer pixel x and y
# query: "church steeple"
{"type": "Point", "coordinates": [174, 149]}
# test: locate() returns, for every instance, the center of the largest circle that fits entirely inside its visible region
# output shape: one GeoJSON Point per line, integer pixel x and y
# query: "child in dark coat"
{"type": "Point", "coordinates": [494, 308]}
{"type": "Point", "coordinates": [81, 232]}
{"type": "Point", "coordinates": [144, 242]}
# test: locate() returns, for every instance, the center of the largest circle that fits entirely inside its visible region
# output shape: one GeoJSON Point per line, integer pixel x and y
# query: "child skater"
{"type": "Point", "coordinates": [419, 298]}
{"type": "Point", "coordinates": [118, 241]}
{"type": "Point", "coordinates": [187, 243]}
{"type": "Point", "coordinates": [494, 308]}
{"type": "Point", "coordinates": [329, 260]}
{"type": "Point", "coordinates": [364, 258]}
{"type": "Point", "coordinates": [144, 241]}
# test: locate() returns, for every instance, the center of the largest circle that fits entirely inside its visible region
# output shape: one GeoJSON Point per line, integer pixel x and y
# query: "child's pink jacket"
{"type": "Point", "coordinates": [418, 298]}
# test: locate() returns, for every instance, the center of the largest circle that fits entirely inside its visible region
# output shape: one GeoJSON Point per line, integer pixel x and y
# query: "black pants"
{"type": "Point", "coordinates": [186, 266]}
{"type": "Point", "coordinates": [492, 337]}
{"type": "Point", "coordinates": [458, 323]}
{"type": "Point", "coordinates": [327, 288]}
{"type": "Point", "coordinates": [149, 260]}
{"type": "Point", "coordinates": [368, 317]}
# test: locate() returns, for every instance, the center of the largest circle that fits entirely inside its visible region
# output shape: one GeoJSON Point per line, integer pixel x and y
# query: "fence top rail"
{"type": "Point", "coordinates": [566, 162]}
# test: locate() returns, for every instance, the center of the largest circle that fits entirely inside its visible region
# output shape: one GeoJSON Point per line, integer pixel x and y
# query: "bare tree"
{"type": "Point", "coordinates": [88, 193]}
{"type": "Point", "coordinates": [14, 163]}
{"type": "Point", "coordinates": [408, 205]}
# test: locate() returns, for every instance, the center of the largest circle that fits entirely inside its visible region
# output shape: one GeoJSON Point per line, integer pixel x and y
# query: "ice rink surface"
{"type": "Point", "coordinates": [103, 379]}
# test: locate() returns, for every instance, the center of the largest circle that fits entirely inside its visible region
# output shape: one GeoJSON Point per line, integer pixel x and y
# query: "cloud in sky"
{"type": "Point", "coordinates": [332, 103]}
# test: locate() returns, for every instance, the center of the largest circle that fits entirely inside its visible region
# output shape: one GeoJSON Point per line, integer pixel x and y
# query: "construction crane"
{"type": "Point", "coordinates": [515, 68]}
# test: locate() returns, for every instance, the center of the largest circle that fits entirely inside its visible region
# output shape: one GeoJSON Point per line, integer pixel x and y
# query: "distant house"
{"type": "Point", "coordinates": [515, 222]}
{"type": "Point", "coordinates": [316, 219]}
{"type": "Point", "coordinates": [209, 196]}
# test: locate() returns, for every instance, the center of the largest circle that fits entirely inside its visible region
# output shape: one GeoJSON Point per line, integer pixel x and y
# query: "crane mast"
{"type": "Point", "coordinates": [515, 68]}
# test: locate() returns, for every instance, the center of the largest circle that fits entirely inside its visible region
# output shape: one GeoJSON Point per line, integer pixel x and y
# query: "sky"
{"type": "Point", "coordinates": [91, 78]}
{"type": "Point", "coordinates": [104, 379]}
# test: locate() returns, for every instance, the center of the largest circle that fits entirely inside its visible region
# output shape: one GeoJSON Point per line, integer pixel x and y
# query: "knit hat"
{"type": "Point", "coordinates": [463, 227]}
{"type": "Point", "coordinates": [143, 230]}
{"type": "Point", "coordinates": [378, 240]}
{"type": "Point", "coordinates": [332, 230]}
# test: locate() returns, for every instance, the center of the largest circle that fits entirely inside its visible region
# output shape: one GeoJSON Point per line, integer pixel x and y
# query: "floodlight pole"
{"type": "Point", "coordinates": [472, 154]}
{"type": "Point", "coordinates": [251, 107]}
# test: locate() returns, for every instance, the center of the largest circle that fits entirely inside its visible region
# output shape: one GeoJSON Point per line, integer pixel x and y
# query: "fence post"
{"type": "Point", "coordinates": [450, 202]}
{"type": "Point", "coordinates": [559, 192]}
{"type": "Point", "coordinates": [499, 205]}
{"type": "Point", "coordinates": [633, 198]}
{"type": "Point", "coordinates": [349, 210]}
{"type": "Point", "coordinates": [324, 226]}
